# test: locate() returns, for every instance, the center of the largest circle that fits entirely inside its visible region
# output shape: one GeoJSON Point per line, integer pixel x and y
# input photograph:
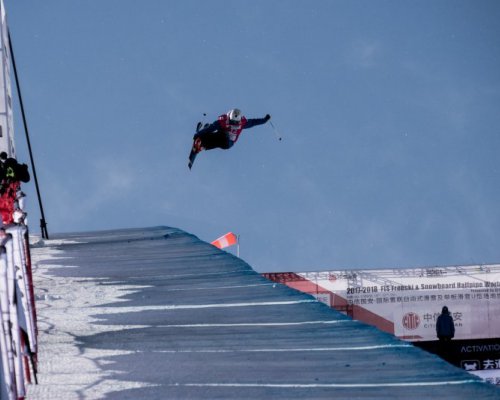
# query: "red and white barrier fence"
{"type": "Point", "coordinates": [18, 344]}
{"type": "Point", "coordinates": [18, 330]}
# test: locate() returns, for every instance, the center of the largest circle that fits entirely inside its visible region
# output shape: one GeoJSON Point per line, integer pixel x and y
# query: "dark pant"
{"type": "Point", "coordinates": [213, 140]}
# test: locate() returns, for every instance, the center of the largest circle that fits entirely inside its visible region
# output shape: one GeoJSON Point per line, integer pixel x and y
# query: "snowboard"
{"type": "Point", "coordinates": [194, 151]}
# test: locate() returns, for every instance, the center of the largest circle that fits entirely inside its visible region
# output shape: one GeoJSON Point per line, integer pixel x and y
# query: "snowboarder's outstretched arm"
{"type": "Point", "coordinates": [251, 122]}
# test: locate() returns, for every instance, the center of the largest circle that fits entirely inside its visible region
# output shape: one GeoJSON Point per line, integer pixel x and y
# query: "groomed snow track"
{"type": "Point", "coordinates": [158, 314]}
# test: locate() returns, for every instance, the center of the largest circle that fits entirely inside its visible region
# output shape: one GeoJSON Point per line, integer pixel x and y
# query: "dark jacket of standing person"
{"type": "Point", "coordinates": [445, 328]}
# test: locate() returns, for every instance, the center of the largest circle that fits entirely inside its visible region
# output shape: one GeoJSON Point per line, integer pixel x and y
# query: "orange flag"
{"type": "Point", "coordinates": [229, 239]}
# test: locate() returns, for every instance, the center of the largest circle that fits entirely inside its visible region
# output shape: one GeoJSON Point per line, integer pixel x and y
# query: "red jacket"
{"type": "Point", "coordinates": [233, 130]}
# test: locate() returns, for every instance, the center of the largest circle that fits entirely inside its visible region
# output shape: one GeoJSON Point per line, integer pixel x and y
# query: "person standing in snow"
{"type": "Point", "coordinates": [225, 131]}
{"type": "Point", "coordinates": [445, 327]}
{"type": "Point", "coordinates": [445, 331]}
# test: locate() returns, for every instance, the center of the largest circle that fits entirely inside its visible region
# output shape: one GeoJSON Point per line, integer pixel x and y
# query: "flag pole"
{"type": "Point", "coordinates": [43, 223]}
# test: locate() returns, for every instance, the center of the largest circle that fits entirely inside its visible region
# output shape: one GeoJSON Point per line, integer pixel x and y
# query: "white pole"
{"type": "Point", "coordinates": [238, 246]}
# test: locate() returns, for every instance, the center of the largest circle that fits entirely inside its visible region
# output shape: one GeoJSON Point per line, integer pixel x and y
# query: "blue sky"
{"type": "Point", "coordinates": [389, 112]}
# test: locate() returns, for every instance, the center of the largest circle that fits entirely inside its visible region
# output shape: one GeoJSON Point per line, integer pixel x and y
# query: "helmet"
{"type": "Point", "coordinates": [234, 116]}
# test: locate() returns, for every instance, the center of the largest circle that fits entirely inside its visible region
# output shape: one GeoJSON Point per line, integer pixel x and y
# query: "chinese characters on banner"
{"type": "Point", "coordinates": [407, 302]}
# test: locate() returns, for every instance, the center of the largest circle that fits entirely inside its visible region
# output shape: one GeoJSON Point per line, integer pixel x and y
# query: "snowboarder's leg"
{"type": "Point", "coordinates": [209, 141]}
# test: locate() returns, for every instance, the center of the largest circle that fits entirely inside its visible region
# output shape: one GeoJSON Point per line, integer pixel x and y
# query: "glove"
{"type": "Point", "coordinates": [267, 117]}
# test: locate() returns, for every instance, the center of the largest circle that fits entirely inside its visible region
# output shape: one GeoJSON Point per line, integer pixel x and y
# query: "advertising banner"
{"type": "Point", "coordinates": [407, 303]}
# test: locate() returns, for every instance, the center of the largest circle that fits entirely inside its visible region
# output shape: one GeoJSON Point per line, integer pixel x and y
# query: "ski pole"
{"type": "Point", "coordinates": [276, 133]}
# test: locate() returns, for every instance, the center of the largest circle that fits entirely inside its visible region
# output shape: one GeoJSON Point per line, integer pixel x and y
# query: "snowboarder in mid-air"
{"type": "Point", "coordinates": [222, 133]}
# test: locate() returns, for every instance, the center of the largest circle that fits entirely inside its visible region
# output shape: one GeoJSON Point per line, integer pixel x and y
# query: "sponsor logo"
{"type": "Point", "coordinates": [411, 321]}
{"type": "Point", "coordinates": [470, 365]}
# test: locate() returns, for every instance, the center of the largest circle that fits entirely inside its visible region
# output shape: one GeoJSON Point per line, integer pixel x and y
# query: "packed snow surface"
{"type": "Point", "coordinates": [158, 314]}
